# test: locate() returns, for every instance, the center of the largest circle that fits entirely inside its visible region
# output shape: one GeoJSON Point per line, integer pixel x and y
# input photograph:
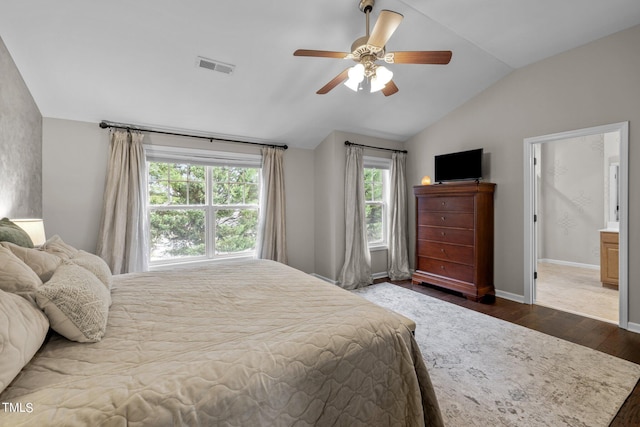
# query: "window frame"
{"type": "Point", "coordinates": [384, 165]}
{"type": "Point", "coordinates": [207, 159]}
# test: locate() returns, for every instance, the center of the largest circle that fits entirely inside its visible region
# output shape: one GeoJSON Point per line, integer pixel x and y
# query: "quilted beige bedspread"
{"type": "Point", "coordinates": [244, 343]}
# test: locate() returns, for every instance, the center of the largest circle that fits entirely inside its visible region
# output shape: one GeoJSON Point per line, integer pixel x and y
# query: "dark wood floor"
{"type": "Point", "coordinates": [591, 333]}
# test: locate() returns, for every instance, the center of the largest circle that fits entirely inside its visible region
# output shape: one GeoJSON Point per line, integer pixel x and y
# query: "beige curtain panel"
{"type": "Point", "coordinates": [398, 238]}
{"type": "Point", "coordinates": [123, 240]}
{"type": "Point", "coordinates": [356, 272]}
{"type": "Point", "coordinates": [272, 237]}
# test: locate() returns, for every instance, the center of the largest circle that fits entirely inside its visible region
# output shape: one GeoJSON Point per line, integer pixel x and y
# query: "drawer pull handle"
{"type": "Point", "coordinates": [443, 233]}
{"type": "Point", "coordinates": [444, 203]}
{"type": "Point", "coordinates": [442, 267]}
{"type": "Point", "coordinates": [442, 218]}
{"type": "Point", "coordinates": [441, 250]}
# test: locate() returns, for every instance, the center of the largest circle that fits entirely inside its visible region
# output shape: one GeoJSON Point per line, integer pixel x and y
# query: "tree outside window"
{"type": "Point", "coordinates": [375, 206]}
{"type": "Point", "coordinates": [235, 200]}
{"type": "Point", "coordinates": [202, 211]}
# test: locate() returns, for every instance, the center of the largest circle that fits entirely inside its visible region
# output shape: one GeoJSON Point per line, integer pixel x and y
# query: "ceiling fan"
{"type": "Point", "coordinates": [371, 48]}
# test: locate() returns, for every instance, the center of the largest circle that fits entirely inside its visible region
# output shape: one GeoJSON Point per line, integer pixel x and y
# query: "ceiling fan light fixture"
{"type": "Point", "coordinates": [356, 75]}
{"type": "Point", "coordinates": [366, 51]}
{"type": "Point", "coordinates": [380, 79]}
{"type": "Point", "coordinates": [376, 85]}
{"type": "Point", "coordinates": [384, 74]}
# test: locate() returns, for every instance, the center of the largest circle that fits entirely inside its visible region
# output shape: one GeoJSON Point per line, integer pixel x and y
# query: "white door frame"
{"type": "Point", "coordinates": [530, 256]}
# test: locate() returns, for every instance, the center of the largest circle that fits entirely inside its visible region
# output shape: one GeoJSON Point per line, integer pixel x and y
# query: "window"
{"type": "Point", "coordinates": [376, 183]}
{"type": "Point", "coordinates": [201, 211]}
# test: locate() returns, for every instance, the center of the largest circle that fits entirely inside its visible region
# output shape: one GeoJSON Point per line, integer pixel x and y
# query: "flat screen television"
{"type": "Point", "coordinates": [460, 166]}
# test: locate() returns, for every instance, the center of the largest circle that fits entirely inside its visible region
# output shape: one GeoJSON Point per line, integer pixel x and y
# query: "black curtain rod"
{"type": "Point", "coordinates": [374, 148]}
{"type": "Point", "coordinates": [104, 124]}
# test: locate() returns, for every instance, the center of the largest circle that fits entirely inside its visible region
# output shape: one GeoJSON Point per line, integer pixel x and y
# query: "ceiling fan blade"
{"type": "Point", "coordinates": [390, 88]}
{"type": "Point", "coordinates": [422, 57]}
{"type": "Point", "coordinates": [333, 83]}
{"type": "Point", "coordinates": [386, 24]}
{"type": "Point", "coordinates": [320, 53]}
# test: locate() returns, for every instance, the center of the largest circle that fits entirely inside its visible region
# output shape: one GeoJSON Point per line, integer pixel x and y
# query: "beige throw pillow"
{"type": "Point", "coordinates": [16, 276]}
{"type": "Point", "coordinates": [23, 329]}
{"type": "Point", "coordinates": [42, 263]}
{"type": "Point", "coordinates": [56, 246]}
{"type": "Point", "coordinates": [76, 303]}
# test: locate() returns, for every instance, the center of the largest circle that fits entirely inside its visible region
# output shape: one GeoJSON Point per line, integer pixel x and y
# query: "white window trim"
{"type": "Point", "coordinates": [161, 153]}
{"type": "Point", "coordinates": [376, 162]}
{"type": "Point", "coordinates": [370, 162]}
{"type": "Point", "coordinates": [167, 265]}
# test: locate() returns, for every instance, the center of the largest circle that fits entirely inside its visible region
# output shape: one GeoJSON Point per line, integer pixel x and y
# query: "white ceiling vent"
{"type": "Point", "coordinates": [211, 64]}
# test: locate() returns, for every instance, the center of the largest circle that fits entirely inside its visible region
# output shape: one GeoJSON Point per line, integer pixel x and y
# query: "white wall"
{"type": "Point", "coordinates": [328, 200]}
{"type": "Point", "coordinates": [592, 85]}
{"type": "Point", "coordinates": [74, 164]}
{"type": "Point", "coordinates": [75, 158]}
{"type": "Point", "coordinates": [571, 205]}
{"type": "Point", "coordinates": [301, 215]}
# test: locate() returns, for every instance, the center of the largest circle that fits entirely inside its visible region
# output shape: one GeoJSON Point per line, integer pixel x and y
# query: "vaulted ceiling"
{"type": "Point", "coordinates": [135, 61]}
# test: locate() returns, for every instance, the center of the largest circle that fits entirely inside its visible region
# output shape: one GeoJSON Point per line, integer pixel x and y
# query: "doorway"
{"type": "Point", "coordinates": [564, 213]}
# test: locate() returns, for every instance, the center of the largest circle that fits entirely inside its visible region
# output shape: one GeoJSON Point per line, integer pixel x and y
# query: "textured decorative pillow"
{"type": "Point", "coordinates": [55, 245]}
{"type": "Point", "coordinates": [42, 263]}
{"type": "Point", "coordinates": [94, 264]}
{"type": "Point", "coordinates": [16, 276]}
{"type": "Point", "coordinates": [23, 329]}
{"type": "Point", "coordinates": [76, 303]}
{"type": "Point", "coordinates": [10, 232]}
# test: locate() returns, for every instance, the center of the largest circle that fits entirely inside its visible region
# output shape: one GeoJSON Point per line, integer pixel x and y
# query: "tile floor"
{"type": "Point", "coordinates": [576, 290]}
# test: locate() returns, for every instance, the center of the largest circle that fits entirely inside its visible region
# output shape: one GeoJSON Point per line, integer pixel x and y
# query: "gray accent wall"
{"type": "Point", "coordinates": [592, 85]}
{"type": "Point", "coordinates": [20, 144]}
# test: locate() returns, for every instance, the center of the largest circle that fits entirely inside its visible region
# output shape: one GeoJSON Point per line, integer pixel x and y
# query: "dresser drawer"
{"type": "Point", "coordinates": [445, 268]}
{"type": "Point", "coordinates": [446, 203]}
{"type": "Point", "coordinates": [447, 235]}
{"type": "Point", "coordinates": [446, 252]}
{"type": "Point", "coordinates": [447, 219]}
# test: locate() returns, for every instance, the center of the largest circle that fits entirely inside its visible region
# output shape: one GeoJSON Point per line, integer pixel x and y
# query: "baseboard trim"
{"type": "Point", "coordinates": [510, 296]}
{"type": "Point", "coordinates": [374, 276]}
{"type": "Point", "coordinates": [570, 263]}
{"type": "Point", "coordinates": [326, 279]}
{"type": "Point", "coordinates": [381, 275]}
{"type": "Point", "coordinates": [633, 327]}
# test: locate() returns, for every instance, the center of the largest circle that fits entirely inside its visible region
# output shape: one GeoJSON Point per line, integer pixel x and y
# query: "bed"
{"type": "Point", "coordinates": [236, 343]}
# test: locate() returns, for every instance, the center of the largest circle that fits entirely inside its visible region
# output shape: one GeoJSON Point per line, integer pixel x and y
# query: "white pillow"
{"type": "Point", "coordinates": [23, 329]}
{"type": "Point", "coordinates": [76, 303]}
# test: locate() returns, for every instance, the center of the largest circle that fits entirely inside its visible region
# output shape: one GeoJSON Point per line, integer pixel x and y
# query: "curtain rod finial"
{"type": "Point", "coordinates": [103, 125]}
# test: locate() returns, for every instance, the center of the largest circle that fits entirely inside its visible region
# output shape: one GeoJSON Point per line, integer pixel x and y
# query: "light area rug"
{"type": "Point", "coordinates": [488, 372]}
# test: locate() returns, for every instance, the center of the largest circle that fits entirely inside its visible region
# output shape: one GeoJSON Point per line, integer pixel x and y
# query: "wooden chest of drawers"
{"type": "Point", "coordinates": [454, 237]}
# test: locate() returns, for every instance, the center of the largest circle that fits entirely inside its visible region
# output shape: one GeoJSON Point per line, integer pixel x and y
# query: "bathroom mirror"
{"type": "Point", "coordinates": [613, 210]}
